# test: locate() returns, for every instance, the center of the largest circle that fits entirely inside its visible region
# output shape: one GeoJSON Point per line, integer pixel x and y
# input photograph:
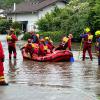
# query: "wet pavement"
{"type": "Point", "coordinates": [29, 80]}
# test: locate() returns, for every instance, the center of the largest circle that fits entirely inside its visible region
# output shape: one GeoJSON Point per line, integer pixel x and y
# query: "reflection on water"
{"type": "Point", "coordinates": [98, 74]}
{"type": "Point", "coordinates": [80, 76]}
{"type": "Point", "coordinates": [12, 70]}
{"type": "Point", "coordinates": [12, 65]}
{"type": "Point", "coordinates": [48, 73]}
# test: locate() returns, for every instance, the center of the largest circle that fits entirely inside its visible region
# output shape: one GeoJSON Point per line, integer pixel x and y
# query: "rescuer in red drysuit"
{"type": "Point", "coordinates": [11, 40]}
{"type": "Point", "coordinates": [29, 48]}
{"type": "Point", "coordinates": [2, 79]}
{"type": "Point", "coordinates": [43, 48]}
{"type": "Point", "coordinates": [87, 44]}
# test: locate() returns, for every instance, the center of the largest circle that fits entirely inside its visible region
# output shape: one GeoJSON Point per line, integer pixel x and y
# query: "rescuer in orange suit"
{"type": "Point", "coordinates": [2, 79]}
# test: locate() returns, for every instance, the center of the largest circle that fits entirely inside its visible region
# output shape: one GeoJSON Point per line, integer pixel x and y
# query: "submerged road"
{"type": "Point", "coordinates": [29, 80]}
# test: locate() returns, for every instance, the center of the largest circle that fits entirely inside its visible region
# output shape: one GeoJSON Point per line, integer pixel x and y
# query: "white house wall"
{"type": "Point", "coordinates": [49, 9]}
{"type": "Point", "coordinates": [60, 4]}
{"type": "Point", "coordinates": [45, 10]}
{"type": "Point", "coordinates": [1, 11]}
{"type": "Point", "coordinates": [32, 18]}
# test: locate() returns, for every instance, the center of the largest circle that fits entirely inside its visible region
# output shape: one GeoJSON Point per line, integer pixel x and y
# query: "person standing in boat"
{"type": "Point", "coordinates": [2, 79]}
{"type": "Point", "coordinates": [11, 40]}
{"type": "Point", "coordinates": [97, 34]}
{"type": "Point", "coordinates": [87, 43]}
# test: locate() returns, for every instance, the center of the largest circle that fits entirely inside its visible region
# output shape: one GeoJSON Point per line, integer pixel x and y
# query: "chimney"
{"type": "Point", "coordinates": [14, 7]}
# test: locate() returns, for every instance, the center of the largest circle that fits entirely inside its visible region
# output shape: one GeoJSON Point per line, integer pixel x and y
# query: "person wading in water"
{"type": "Point", "coordinates": [87, 43]}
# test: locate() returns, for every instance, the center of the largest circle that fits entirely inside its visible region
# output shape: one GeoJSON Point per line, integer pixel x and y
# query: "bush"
{"type": "Point", "coordinates": [17, 32]}
{"type": "Point", "coordinates": [16, 25]}
{"type": "Point", "coordinates": [55, 36]}
{"type": "Point", "coordinates": [73, 18]}
{"type": "Point", "coordinates": [4, 24]}
{"type": "Point", "coordinates": [26, 36]}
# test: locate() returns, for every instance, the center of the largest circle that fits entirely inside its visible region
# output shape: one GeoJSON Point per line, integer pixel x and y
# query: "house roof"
{"type": "Point", "coordinates": [27, 7]}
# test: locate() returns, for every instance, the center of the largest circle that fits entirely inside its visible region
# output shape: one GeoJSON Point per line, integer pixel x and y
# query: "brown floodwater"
{"type": "Point", "coordinates": [81, 76]}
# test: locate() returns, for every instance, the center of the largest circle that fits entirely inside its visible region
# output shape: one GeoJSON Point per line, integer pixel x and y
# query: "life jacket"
{"type": "Point", "coordinates": [11, 39]}
{"type": "Point", "coordinates": [8, 38]}
{"type": "Point", "coordinates": [36, 47]}
{"type": "Point", "coordinates": [88, 38]}
{"type": "Point", "coordinates": [45, 47]}
{"type": "Point", "coordinates": [65, 39]}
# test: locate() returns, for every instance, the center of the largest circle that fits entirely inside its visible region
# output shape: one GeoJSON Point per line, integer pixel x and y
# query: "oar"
{"type": "Point", "coordinates": [80, 49]}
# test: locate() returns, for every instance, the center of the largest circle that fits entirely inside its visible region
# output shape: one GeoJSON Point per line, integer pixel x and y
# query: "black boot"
{"type": "Point", "coordinates": [3, 83]}
{"type": "Point", "coordinates": [9, 58]}
{"type": "Point", "coordinates": [15, 58]}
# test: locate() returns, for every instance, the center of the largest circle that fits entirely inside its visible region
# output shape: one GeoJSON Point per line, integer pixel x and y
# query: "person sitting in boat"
{"type": "Point", "coordinates": [49, 44]}
{"type": "Point", "coordinates": [34, 37]}
{"type": "Point", "coordinates": [36, 48]}
{"type": "Point", "coordinates": [43, 48]}
{"type": "Point", "coordinates": [29, 48]}
{"type": "Point", "coordinates": [64, 44]}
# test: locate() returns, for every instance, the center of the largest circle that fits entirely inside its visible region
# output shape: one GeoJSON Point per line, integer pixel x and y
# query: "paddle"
{"type": "Point", "coordinates": [80, 49]}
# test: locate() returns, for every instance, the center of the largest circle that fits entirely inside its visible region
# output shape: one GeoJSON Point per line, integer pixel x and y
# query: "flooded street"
{"type": "Point", "coordinates": [29, 80]}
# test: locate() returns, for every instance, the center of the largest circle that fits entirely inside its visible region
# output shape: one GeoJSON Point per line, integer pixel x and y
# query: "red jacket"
{"type": "Point", "coordinates": [12, 41]}
{"type": "Point", "coordinates": [1, 52]}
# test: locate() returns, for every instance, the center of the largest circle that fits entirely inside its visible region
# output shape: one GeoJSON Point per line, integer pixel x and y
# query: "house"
{"type": "Point", "coordinates": [28, 13]}
{"type": "Point", "coordinates": [1, 13]}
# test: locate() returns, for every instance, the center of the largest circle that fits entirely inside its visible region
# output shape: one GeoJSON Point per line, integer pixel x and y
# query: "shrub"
{"type": "Point", "coordinates": [55, 36]}
{"type": "Point", "coordinates": [4, 24]}
{"type": "Point", "coordinates": [26, 36]}
{"type": "Point", "coordinates": [16, 25]}
{"type": "Point", "coordinates": [17, 32]}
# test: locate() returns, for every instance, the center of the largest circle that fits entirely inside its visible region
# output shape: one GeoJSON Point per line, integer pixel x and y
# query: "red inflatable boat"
{"type": "Point", "coordinates": [56, 56]}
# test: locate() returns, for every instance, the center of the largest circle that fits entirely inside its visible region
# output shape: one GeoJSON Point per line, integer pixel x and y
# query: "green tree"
{"type": "Point", "coordinates": [96, 9]}
{"type": "Point", "coordinates": [4, 24]}
{"type": "Point", "coordinates": [73, 18]}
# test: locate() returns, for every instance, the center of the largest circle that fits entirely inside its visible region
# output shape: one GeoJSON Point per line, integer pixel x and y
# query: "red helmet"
{"type": "Point", "coordinates": [29, 40]}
